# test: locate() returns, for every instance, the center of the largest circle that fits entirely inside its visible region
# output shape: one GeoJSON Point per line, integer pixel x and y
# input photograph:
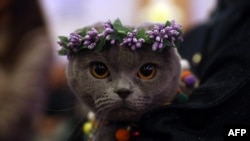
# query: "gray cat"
{"type": "Point", "coordinates": [120, 84]}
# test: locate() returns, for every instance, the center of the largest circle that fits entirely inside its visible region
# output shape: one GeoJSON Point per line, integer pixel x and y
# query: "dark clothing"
{"type": "Point", "coordinates": [224, 72]}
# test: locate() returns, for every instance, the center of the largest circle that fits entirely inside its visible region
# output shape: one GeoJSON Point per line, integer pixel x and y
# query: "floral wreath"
{"type": "Point", "coordinates": [169, 34]}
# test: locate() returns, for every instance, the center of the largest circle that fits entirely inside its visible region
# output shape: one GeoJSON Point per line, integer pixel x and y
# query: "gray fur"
{"type": "Point", "coordinates": [123, 64]}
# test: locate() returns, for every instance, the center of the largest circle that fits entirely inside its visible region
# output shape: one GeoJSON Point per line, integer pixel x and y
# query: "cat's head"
{"type": "Point", "coordinates": [121, 84]}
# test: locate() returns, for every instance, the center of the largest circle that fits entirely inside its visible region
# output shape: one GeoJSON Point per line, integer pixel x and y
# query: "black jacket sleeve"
{"type": "Point", "coordinates": [224, 93]}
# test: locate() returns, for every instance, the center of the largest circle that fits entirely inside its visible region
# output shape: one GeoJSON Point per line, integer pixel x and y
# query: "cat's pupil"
{"type": "Point", "coordinates": [146, 70]}
{"type": "Point", "coordinates": [99, 70]}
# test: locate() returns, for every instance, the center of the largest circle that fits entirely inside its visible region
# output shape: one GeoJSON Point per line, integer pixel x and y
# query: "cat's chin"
{"type": "Point", "coordinates": [123, 114]}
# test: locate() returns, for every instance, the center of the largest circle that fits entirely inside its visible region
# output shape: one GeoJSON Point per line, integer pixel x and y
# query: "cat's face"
{"type": "Point", "coordinates": [121, 84]}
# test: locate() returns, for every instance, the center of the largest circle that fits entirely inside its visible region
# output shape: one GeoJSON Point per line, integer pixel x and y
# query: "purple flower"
{"type": "Point", "coordinates": [132, 41]}
{"type": "Point", "coordinates": [112, 42]}
{"type": "Point", "coordinates": [175, 25]}
{"type": "Point", "coordinates": [155, 46]}
{"type": "Point", "coordinates": [91, 46]}
{"type": "Point", "coordinates": [160, 33]}
{"type": "Point", "coordinates": [91, 38]}
{"type": "Point", "coordinates": [108, 24]}
{"type": "Point", "coordinates": [92, 32]}
{"type": "Point", "coordinates": [181, 38]}
{"type": "Point", "coordinates": [108, 29]}
{"type": "Point", "coordinates": [75, 41]}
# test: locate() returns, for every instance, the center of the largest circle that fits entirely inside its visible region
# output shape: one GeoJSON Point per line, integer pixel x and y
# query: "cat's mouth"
{"type": "Point", "coordinates": [122, 108]}
{"type": "Point", "coordinates": [122, 112]}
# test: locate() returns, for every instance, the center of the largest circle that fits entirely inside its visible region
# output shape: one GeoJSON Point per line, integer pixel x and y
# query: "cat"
{"type": "Point", "coordinates": [120, 84]}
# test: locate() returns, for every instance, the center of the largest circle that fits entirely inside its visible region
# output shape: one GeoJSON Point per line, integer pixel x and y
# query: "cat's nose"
{"type": "Point", "coordinates": [123, 93]}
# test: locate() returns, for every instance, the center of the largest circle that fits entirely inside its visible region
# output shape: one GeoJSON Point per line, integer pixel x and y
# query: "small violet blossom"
{"type": "Point", "coordinates": [108, 29]}
{"type": "Point", "coordinates": [74, 43]}
{"type": "Point", "coordinates": [91, 38]}
{"type": "Point", "coordinates": [132, 41]}
{"type": "Point", "coordinates": [162, 32]}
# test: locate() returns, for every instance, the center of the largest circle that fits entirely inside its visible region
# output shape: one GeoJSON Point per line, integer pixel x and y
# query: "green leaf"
{"type": "Point", "coordinates": [64, 40]}
{"type": "Point", "coordinates": [141, 33]}
{"type": "Point", "coordinates": [181, 32]}
{"type": "Point", "coordinates": [83, 31]}
{"type": "Point", "coordinates": [177, 43]}
{"type": "Point", "coordinates": [63, 51]}
{"type": "Point", "coordinates": [168, 23]}
{"type": "Point", "coordinates": [83, 46]}
{"type": "Point", "coordinates": [117, 36]}
{"type": "Point", "coordinates": [167, 43]}
{"type": "Point", "coordinates": [117, 24]}
{"type": "Point", "coordinates": [100, 45]}
{"type": "Point", "coordinates": [124, 30]}
{"type": "Point", "coordinates": [120, 28]}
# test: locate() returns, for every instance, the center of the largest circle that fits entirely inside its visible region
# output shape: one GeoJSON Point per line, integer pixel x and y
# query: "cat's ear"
{"type": "Point", "coordinates": [146, 26]}
{"type": "Point", "coordinates": [98, 26]}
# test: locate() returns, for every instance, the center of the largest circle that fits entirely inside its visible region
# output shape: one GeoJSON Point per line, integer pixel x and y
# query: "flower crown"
{"type": "Point", "coordinates": [169, 34]}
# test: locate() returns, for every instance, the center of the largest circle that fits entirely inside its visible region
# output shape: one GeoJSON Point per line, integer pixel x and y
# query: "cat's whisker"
{"type": "Point", "coordinates": [109, 102]}
{"type": "Point", "coordinates": [101, 99]}
{"type": "Point", "coordinates": [100, 128]}
{"type": "Point", "coordinates": [65, 109]}
{"type": "Point", "coordinates": [74, 128]}
{"type": "Point", "coordinates": [102, 119]}
{"type": "Point", "coordinates": [104, 108]}
{"type": "Point", "coordinates": [99, 105]}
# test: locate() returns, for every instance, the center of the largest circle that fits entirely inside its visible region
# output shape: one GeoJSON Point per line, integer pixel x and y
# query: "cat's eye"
{"type": "Point", "coordinates": [99, 70]}
{"type": "Point", "coordinates": [147, 71]}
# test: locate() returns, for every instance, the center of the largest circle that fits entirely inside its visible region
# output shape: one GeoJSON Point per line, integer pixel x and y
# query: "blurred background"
{"type": "Point", "coordinates": [35, 74]}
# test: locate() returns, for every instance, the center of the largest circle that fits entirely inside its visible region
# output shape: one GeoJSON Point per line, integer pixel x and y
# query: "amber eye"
{"type": "Point", "coordinates": [147, 71]}
{"type": "Point", "coordinates": [99, 70]}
